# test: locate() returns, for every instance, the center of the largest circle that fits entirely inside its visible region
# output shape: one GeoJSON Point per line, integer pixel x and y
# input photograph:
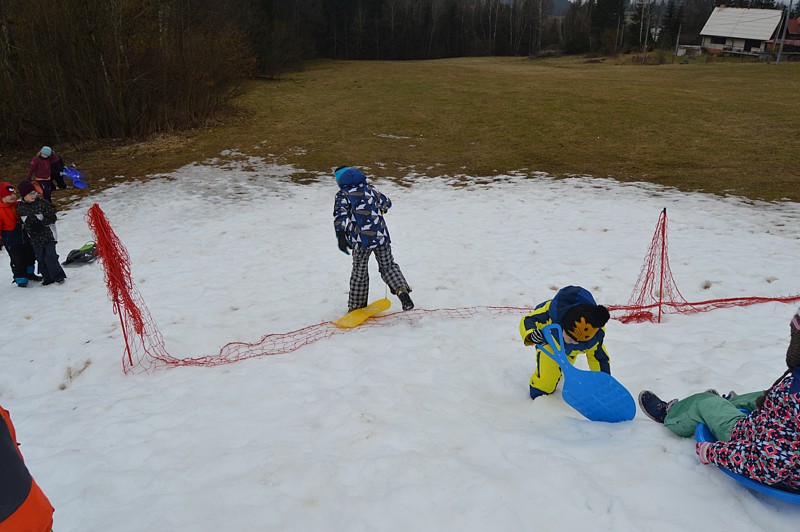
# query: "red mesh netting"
{"type": "Point", "coordinates": [144, 345]}
{"type": "Point", "coordinates": [655, 293]}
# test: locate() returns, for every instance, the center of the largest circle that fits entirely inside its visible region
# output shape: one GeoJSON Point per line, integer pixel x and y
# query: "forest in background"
{"type": "Point", "coordinates": [95, 69]}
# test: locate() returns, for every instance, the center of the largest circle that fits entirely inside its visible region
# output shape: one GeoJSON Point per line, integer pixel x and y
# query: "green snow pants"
{"type": "Point", "coordinates": [718, 414]}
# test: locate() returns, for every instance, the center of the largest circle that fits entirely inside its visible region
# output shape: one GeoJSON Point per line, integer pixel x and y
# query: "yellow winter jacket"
{"type": "Point", "coordinates": [596, 353]}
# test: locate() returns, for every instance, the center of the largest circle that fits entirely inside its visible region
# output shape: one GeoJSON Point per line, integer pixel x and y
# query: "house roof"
{"type": "Point", "coordinates": [794, 26]}
{"type": "Point", "coordinates": [740, 23]}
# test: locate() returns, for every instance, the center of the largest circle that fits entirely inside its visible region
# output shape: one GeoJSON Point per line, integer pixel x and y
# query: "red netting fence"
{"type": "Point", "coordinates": [655, 293]}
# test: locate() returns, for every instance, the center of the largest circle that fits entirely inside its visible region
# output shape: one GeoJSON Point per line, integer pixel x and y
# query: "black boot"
{"type": "Point", "coordinates": [654, 407]}
{"type": "Point", "coordinates": [405, 299]}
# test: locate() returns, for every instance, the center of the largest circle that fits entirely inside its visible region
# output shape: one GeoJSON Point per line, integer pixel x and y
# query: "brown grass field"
{"type": "Point", "coordinates": [719, 127]}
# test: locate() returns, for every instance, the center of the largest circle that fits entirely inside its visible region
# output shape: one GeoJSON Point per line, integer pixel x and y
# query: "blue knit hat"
{"type": "Point", "coordinates": [347, 176]}
{"type": "Point", "coordinates": [339, 171]}
{"type": "Point", "coordinates": [576, 311]}
{"type": "Point", "coordinates": [46, 151]}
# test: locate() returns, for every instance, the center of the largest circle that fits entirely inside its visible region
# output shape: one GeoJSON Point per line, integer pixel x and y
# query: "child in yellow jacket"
{"type": "Point", "coordinates": [583, 323]}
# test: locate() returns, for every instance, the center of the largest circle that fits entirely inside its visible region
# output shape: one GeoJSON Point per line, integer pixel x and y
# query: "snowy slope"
{"type": "Point", "coordinates": [422, 425]}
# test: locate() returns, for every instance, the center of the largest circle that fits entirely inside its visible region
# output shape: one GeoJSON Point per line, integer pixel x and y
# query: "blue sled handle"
{"type": "Point", "coordinates": [554, 336]}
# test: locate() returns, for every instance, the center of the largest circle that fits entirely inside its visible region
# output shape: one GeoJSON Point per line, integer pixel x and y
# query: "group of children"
{"type": "Point", "coordinates": [763, 444]}
{"type": "Point", "coordinates": [27, 222]}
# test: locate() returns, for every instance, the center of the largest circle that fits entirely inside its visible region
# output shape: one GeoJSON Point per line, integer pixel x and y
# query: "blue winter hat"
{"type": "Point", "coordinates": [568, 298]}
{"type": "Point", "coordinates": [349, 176]}
{"type": "Point", "coordinates": [575, 310]}
{"type": "Point", "coordinates": [46, 151]}
{"type": "Point", "coordinates": [339, 171]}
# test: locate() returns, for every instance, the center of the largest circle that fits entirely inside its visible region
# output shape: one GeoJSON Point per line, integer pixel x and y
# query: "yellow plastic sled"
{"type": "Point", "coordinates": [357, 317]}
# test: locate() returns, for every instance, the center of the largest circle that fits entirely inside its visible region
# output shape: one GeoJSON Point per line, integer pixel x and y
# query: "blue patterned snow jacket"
{"type": "Point", "coordinates": [358, 210]}
{"type": "Point", "coordinates": [765, 445]}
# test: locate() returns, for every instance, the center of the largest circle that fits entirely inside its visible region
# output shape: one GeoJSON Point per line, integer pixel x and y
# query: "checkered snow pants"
{"type": "Point", "coordinates": [359, 279]}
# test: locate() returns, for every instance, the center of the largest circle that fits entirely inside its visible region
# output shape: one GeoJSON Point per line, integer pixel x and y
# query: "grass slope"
{"type": "Point", "coordinates": [717, 127]}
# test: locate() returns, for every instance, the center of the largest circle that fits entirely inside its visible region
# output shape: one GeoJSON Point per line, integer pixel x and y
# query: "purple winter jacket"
{"type": "Point", "coordinates": [40, 167]}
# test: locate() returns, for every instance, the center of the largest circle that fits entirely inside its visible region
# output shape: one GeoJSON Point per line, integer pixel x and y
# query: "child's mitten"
{"type": "Point", "coordinates": [536, 337]}
{"type": "Point", "coordinates": [702, 451]}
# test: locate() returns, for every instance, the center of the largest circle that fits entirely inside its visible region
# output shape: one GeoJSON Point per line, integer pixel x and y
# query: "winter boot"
{"type": "Point", "coordinates": [405, 299]}
{"type": "Point", "coordinates": [655, 408]}
{"type": "Point", "coordinates": [30, 273]}
{"type": "Point", "coordinates": [536, 392]}
{"type": "Point", "coordinates": [22, 282]}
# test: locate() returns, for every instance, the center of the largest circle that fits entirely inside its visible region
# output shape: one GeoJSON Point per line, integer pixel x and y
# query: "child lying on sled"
{"type": "Point", "coordinates": [763, 445]}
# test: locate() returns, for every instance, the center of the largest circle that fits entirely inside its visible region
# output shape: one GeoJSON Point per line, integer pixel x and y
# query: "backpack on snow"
{"type": "Point", "coordinates": [83, 255]}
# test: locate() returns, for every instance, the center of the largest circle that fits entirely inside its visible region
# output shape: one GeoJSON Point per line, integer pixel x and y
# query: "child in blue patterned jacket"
{"type": "Point", "coordinates": [358, 212]}
{"type": "Point", "coordinates": [763, 445]}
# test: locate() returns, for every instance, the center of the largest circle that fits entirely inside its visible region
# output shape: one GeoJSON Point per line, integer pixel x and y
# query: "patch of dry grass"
{"type": "Point", "coordinates": [717, 127]}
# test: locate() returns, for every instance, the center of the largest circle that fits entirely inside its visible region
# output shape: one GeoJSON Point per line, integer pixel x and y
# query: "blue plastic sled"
{"type": "Point", "coordinates": [701, 433]}
{"type": "Point", "coordinates": [596, 395]}
{"type": "Point", "coordinates": [76, 176]}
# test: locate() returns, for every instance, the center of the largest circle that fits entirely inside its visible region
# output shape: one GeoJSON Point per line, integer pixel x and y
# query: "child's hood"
{"type": "Point", "coordinates": [568, 298]}
{"type": "Point", "coordinates": [7, 189]}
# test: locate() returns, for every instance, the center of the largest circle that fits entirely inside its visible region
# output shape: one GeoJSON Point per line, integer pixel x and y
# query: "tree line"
{"type": "Point", "coordinates": [88, 69]}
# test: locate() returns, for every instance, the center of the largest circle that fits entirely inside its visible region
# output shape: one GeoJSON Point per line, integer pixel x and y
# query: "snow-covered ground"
{"type": "Point", "coordinates": [422, 425]}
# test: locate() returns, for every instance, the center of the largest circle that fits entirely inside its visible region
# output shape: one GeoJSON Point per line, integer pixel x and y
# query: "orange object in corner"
{"type": "Point", "coordinates": [35, 514]}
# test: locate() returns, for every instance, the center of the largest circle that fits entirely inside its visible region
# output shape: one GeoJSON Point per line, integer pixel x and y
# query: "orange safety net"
{"type": "Point", "coordinates": [655, 294]}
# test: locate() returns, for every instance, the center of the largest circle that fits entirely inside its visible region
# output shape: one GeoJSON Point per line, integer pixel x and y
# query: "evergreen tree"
{"type": "Point", "coordinates": [607, 19]}
{"type": "Point", "coordinates": [577, 26]}
{"type": "Point", "coordinates": [696, 13]}
{"type": "Point", "coordinates": [670, 25]}
{"type": "Point", "coordinates": [636, 29]}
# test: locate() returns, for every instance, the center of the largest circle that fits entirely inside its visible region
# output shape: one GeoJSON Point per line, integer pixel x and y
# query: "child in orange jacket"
{"type": "Point", "coordinates": [23, 505]}
{"type": "Point", "coordinates": [11, 237]}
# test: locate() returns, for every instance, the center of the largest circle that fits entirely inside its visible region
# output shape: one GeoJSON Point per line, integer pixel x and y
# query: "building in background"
{"type": "Point", "coordinates": [739, 31]}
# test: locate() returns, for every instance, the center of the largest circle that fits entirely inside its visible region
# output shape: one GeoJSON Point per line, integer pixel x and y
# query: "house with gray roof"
{"type": "Point", "coordinates": [739, 31]}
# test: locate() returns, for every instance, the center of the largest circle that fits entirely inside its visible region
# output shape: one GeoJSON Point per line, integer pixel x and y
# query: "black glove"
{"type": "Point", "coordinates": [344, 246]}
{"type": "Point", "coordinates": [536, 337]}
